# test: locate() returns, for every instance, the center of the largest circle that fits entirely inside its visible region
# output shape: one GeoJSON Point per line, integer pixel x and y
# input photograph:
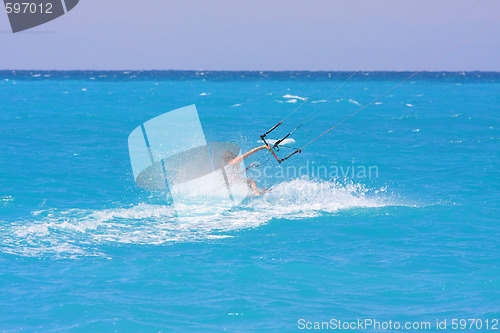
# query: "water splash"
{"type": "Point", "coordinates": [76, 233]}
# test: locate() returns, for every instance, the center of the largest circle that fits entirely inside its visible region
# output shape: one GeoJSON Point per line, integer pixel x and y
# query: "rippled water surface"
{"type": "Point", "coordinates": [393, 215]}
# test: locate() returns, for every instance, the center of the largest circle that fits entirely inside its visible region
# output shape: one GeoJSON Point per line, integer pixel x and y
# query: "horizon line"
{"type": "Point", "coordinates": [249, 71]}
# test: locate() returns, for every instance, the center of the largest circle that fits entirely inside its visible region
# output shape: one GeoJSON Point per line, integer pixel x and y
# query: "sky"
{"type": "Point", "coordinates": [275, 35]}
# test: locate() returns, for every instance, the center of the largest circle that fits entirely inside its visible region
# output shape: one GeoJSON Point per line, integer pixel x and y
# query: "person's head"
{"type": "Point", "coordinates": [228, 156]}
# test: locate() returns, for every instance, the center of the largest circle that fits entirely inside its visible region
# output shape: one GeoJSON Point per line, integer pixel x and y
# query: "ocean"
{"type": "Point", "coordinates": [391, 216]}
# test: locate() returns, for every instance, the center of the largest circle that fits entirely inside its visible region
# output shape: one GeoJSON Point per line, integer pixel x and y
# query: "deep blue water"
{"type": "Point", "coordinates": [83, 249]}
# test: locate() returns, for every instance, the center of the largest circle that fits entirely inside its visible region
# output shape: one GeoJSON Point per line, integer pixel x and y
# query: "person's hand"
{"type": "Point", "coordinates": [268, 147]}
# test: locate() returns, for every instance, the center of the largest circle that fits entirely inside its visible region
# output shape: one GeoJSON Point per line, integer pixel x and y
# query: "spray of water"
{"type": "Point", "coordinates": [82, 232]}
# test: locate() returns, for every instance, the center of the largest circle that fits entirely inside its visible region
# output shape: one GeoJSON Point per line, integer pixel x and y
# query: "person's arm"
{"type": "Point", "coordinates": [247, 155]}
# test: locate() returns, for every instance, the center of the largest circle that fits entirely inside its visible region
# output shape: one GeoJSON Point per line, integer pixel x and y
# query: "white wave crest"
{"type": "Point", "coordinates": [294, 97]}
{"type": "Point", "coordinates": [6, 199]}
{"type": "Point", "coordinates": [350, 100]}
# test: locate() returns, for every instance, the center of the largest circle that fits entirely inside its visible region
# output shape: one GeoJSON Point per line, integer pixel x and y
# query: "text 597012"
{"type": "Point", "coordinates": [28, 8]}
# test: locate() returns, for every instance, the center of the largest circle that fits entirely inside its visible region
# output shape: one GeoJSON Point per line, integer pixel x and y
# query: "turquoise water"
{"type": "Point", "coordinates": [83, 249]}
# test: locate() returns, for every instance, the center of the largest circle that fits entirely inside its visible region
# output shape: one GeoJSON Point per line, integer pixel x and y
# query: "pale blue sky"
{"type": "Point", "coordinates": [259, 35]}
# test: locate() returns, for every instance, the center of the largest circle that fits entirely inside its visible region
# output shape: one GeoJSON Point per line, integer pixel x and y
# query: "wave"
{"type": "Point", "coordinates": [294, 97]}
{"type": "Point", "coordinates": [350, 100]}
{"type": "Point", "coordinates": [77, 233]}
{"type": "Point", "coordinates": [6, 199]}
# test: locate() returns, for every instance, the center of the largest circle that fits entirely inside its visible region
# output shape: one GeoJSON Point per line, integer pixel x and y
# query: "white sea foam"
{"type": "Point", "coordinates": [6, 199]}
{"type": "Point", "coordinates": [205, 94]}
{"type": "Point", "coordinates": [77, 233]}
{"type": "Point", "coordinates": [320, 101]}
{"type": "Point", "coordinates": [350, 100]}
{"type": "Point", "coordinates": [294, 97]}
